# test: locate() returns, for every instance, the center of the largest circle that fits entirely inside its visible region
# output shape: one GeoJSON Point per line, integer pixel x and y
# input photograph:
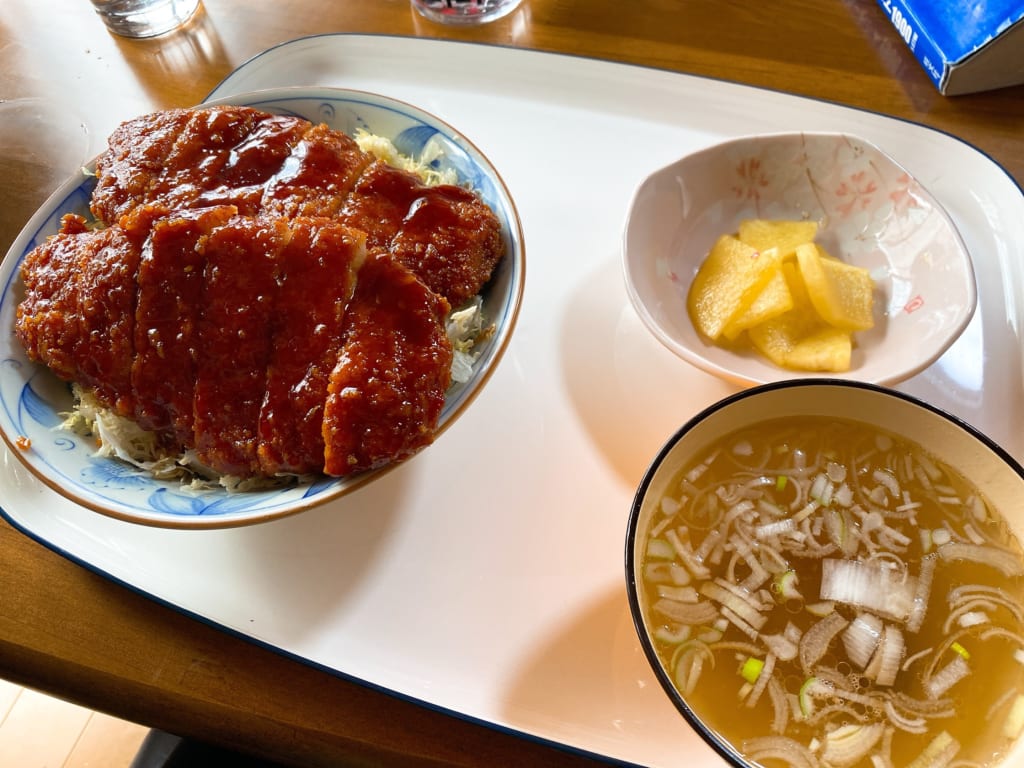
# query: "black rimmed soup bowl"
{"type": "Point", "coordinates": [828, 573]}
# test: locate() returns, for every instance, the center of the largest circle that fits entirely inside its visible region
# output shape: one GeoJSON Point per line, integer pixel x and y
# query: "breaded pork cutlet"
{"type": "Point", "coordinates": [266, 345]}
{"type": "Point", "coordinates": [260, 293]}
{"type": "Point", "coordinates": [262, 163]}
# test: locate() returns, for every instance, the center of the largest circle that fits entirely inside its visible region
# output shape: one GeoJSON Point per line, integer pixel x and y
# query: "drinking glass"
{"type": "Point", "coordinates": [144, 18]}
{"type": "Point", "coordinates": [465, 11]}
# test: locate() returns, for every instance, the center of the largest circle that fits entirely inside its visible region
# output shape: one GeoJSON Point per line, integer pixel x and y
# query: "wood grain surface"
{"type": "Point", "coordinates": [69, 632]}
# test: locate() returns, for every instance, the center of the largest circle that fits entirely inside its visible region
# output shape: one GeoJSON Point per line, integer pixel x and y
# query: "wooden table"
{"type": "Point", "coordinates": [69, 632]}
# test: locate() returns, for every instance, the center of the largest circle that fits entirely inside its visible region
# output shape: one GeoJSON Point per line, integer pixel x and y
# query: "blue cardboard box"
{"type": "Point", "coordinates": [964, 45]}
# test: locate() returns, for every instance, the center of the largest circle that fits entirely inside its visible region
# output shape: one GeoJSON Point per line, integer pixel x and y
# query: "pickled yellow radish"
{"type": "Point", "coordinates": [842, 293]}
{"type": "Point", "coordinates": [727, 283]}
{"type": "Point", "coordinates": [782, 235]}
{"type": "Point", "coordinates": [772, 285]}
{"type": "Point", "coordinates": [829, 349]}
{"type": "Point", "coordinates": [799, 339]}
{"type": "Point", "coordinates": [772, 301]}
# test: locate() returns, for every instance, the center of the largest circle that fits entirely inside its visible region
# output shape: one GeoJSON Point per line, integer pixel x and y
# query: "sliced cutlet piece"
{"type": "Point", "coordinates": [317, 177]}
{"type": "Point", "coordinates": [445, 234]}
{"type": "Point", "coordinates": [203, 149]}
{"type": "Point", "coordinates": [380, 201]}
{"type": "Point", "coordinates": [77, 315]}
{"type": "Point", "coordinates": [388, 388]}
{"type": "Point", "coordinates": [170, 291]}
{"type": "Point", "coordinates": [185, 158]}
{"type": "Point", "coordinates": [107, 286]}
{"type": "Point", "coordinates": [318, 275]}
{"type": "Point", "coordinates": [47, 320]}
{"type": "Point", "coordinates": [133, 164]}
{"type": "Point", "coordinates": [254, 162]}
{"type": "Point", "coordinates": [452, 240]}
{"type": "Point", "coordinates": [233, 343]}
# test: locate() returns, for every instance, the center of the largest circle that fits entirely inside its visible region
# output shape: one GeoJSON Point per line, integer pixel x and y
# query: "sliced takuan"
{"type": "Point", "coordinates": [782, 235]}
{"type": "Point", "coordinates": [727, 283]}
{"type": "Point", "coordinates": [842, 293]}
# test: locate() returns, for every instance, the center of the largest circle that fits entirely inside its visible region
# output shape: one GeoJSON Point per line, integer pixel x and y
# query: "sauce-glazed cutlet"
{"type": "Point", "coordinates": [184, 158]}
{"type": "Point", "coordinates": [318, 175]}
{"type": "Point", "coordinates": [132, 170]}
{"type": "Point", "coordinates": [46, 321]}
{"type": "Point", "coordinates": [388, 388]}
{"type": "Point", "coordinates": [236, 317]}
{"type": "Point", "coordinates": [168, 304]}
{"type": "Point", "coordinates": [452, 240]}
{"type": "Point", "coordinates": [78, 314]}
{"type": "Point", "coordinates": [263, 293]}
{"type": "Point", "coordinates": [445, 234]}
{"type": "Point", "coordinates": [319, 270]}
{"type": "Point", "coordinates": [226, 156]}
{"type": "Point", "coordinates": [267, 345]}
{"type": "Point", "coordinates": [287, 166]}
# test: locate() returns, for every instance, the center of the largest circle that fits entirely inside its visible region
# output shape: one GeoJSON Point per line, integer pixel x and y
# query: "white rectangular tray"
{"type": "Point", "coordinates": [485, 576]}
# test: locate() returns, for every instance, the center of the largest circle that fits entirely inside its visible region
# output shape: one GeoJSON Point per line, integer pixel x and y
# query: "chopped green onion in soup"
{"type": "Point", "coordinates": [811, 594]}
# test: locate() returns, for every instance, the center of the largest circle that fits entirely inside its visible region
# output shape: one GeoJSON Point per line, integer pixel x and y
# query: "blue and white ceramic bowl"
{"type": "Point", "coordinates": [32, 399]}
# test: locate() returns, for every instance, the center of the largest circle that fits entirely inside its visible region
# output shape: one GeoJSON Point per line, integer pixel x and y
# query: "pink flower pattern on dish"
{"type": "Point", "coordinates": [751, 180]}
{"type": "Point", "coordinates": [855, 193]}
{"type": "Point", "coordinates": [848, 188]}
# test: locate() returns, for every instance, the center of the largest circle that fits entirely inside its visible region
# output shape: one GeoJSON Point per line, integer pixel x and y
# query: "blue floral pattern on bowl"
{"type": "Point", "coordinates": [32, 400]}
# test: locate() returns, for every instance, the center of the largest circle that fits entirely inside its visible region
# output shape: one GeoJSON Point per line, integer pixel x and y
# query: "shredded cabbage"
{"type": "Point", "coordinates": [121, 438]}
{"type": "Point", "coordinates": [423, 166]}
{"type": "Point", "coordinates": [465, 328]}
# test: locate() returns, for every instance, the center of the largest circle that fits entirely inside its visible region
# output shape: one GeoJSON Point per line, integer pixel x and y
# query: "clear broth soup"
{"type": "Point", "coordinates": [823, 593]}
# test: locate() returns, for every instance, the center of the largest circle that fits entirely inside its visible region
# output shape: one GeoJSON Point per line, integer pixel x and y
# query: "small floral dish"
{"type": "Point", "coordinates": [33, 401]}
{"type": "Point", "coordinates": [870, 213]}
